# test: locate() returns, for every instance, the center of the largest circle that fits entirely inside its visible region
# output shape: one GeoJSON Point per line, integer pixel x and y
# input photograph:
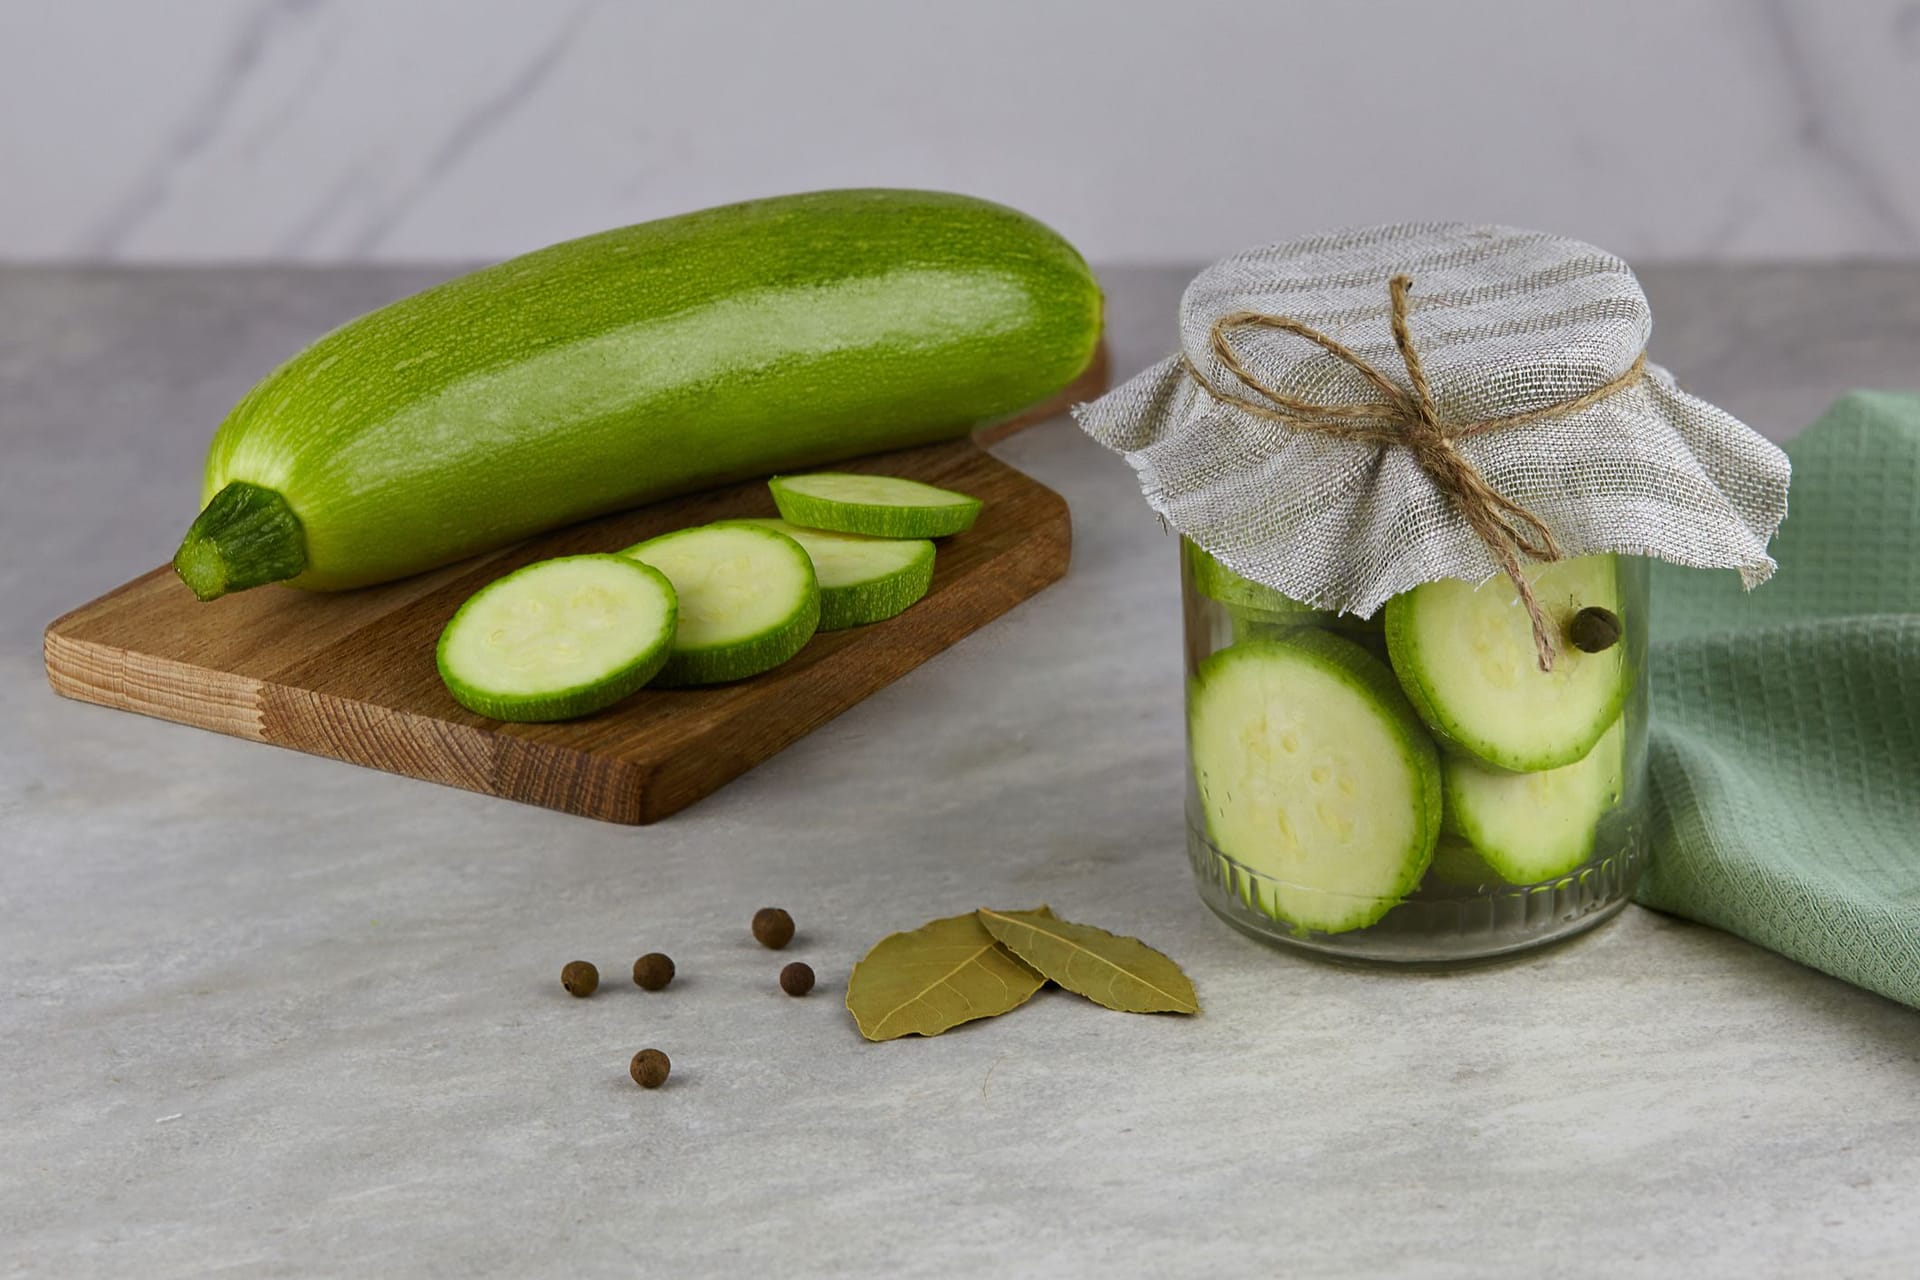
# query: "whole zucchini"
{"type": "Point", "coordinates": [632, 365]}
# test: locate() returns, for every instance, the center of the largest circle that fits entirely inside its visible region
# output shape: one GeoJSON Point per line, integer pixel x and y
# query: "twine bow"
{"type": "Point", "coordinates": [1412, 422]}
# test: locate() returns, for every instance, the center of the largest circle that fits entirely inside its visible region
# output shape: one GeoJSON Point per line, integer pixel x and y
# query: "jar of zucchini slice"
{"type": "Point", "coordinates": [1412, 786]}
{"type": "Point", "coordinates": [1418, 474]}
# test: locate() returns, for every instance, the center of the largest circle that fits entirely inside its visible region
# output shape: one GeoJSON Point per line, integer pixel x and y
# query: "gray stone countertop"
{"type": "Point", "coordinates": [266, 1014]}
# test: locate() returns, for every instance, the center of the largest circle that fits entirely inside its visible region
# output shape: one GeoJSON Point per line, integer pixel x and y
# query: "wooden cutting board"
{"type": "Point", "coordinates": [352, 675]}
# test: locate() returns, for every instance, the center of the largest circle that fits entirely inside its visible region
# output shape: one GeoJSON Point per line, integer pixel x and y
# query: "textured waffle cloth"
{"type": "Point", "coordinates": [1505, 322]}
{"type": "Point", "coordinates": [1786, 723]}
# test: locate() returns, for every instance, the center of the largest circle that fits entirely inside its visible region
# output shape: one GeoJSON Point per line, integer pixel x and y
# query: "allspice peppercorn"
{"type": "Point", "coordinates": [772, 928]}
{"type": "Point", "coordinates": [1594, 630]}
{"type": "Point", "coordinates": [580, 978]}
{"type": "Point", "coordinates": [652, 971]}
{"type": "Point", "coordinates": [649, 1068]}
{"type": "Point", "coordinates": [796, 979]}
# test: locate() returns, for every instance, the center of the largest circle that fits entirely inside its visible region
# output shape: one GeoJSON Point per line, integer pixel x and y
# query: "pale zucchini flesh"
{"type": "Point", "coordinates": [879, 506]}
{"type": "Point", "coordinates": [558, 639]}
{"type": "Point", "coordinates": [862, 579]}
{"type": "Point", "coordinates": [1314, 775]}
{"type": "Point", "coordinates": [1530, 827]}
{"type": "Point", "coordinates": [1465, 656]}
{"type": "Point", "coordinates": [749, 600]}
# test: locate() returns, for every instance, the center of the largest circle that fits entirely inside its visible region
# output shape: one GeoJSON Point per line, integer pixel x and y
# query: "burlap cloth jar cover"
{"type": "Point", "coordinates": [1298, 442]}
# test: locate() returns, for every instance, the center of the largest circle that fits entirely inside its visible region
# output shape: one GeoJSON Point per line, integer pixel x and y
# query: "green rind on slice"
{"type": "Point", "coordinates": [1457, 863]}
{"type": "Point", "coordinates": [1530, 827]}
{"type": "Point", "coordinates": [879, 506]}
{"type": "Point", "coordinates": [1258, 612]}
{"type": "Point", "coordinates": [1315, 775]}
{"type": "Point", "coordinates": [749, 600]}
{"type": "Point", "coordinates": [1368, 633]}
{"type": "Point", "coordinates": [1242, 595]}
{"type": "Point", "coordinates": [558, 639]}
{"type": "Point", "coordinates": [862, 579]}
{"type": "Point", "coordinates": [1465, 656]}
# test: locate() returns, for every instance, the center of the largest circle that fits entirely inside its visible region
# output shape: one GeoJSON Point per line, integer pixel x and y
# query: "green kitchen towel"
{"type": "Point", "coordinates": [1786, 725]}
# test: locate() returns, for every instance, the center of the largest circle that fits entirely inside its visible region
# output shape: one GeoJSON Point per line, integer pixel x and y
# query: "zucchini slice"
{"type": "Point", "coordinates": [749, 600]}
{"type": "Point", "coordinates": [1530, 827]}
{"type": "Point", "coordinates": [880, 506]}
{"type": "Point", "coordinates": [558, 639]}
{"type": "Point", "coordinates": [1314, 774]}
{"type": "Point", "coordinates": [1465, 656]}
{"type": "Point", "coordinates": [862, 579]}
{"type": "Point", "coordinates": [1258, 612]}
{"type": "Point", "coordinates": [1242, 595]}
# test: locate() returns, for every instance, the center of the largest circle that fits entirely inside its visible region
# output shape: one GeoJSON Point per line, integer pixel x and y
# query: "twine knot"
{"type": "Point", "coordinates": [1410, 420]}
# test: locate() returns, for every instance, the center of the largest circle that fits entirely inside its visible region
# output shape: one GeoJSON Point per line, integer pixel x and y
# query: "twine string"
{"type": "Point", "coordinates": [1411, 421]}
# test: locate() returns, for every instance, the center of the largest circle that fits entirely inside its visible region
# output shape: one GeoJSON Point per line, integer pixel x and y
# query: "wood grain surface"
{"type": "Point", "coordinates": [351, 675]}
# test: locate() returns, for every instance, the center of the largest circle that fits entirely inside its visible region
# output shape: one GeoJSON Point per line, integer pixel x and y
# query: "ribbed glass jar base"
{"type": "Point", "coordinates": [1441, 924]}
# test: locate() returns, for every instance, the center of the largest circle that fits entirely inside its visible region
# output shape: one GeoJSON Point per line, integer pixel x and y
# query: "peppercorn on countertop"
{"type": "Point", "coordinates": [271, 1014]}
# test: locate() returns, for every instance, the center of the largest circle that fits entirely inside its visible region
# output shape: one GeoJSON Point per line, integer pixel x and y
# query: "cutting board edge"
{"type": "Point", "coordinates": [259, 707]}
{"type": "Point", "coordinates": [568, 780]}
{"type": "Point", "coordinates": [123, 680]}
{"type": "Point", "coordinates": [262, 704]}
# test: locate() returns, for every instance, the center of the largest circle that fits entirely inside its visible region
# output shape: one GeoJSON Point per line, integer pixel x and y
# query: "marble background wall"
{"type": "Point", "coordinates": [1176, 130]}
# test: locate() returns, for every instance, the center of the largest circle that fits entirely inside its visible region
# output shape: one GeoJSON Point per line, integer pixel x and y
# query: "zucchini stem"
{"type": "Point", "coordinates": [246, 536]}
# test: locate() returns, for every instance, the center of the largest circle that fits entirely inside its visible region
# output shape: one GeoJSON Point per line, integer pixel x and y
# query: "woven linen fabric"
{"type": "Point", "coordinates": [1505, 321]}
{"type": "Point", "coordinates": [1785, 749]}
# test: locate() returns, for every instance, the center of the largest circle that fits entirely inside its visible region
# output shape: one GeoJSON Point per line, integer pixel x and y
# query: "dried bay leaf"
{"type": "Point", "coordinates": [1119, 973]}
{"type": "Point", "coordinates": [940, 975]}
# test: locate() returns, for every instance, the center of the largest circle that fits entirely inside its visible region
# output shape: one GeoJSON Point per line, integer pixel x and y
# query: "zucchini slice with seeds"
{"type": "Point", "coordinates": [1315, 775]}
{"type": "Point", "coordinates": [558, 639]}
{"type": "Point", "coordinates": [1465, 656]}
{"type": "Point", "coordinates": [1531, 827]}
{"type": "Point", "coordinates": [749, 600]}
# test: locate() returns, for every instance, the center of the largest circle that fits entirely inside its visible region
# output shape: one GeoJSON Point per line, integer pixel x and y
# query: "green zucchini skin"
{"type": "Point", "coordinates": [877, 518]}
{"type": "Point", "coordinates": [648, 361]}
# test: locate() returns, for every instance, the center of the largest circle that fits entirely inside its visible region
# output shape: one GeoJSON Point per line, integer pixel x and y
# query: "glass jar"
{"type": "Point", "coordinates": [1411, 787]}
